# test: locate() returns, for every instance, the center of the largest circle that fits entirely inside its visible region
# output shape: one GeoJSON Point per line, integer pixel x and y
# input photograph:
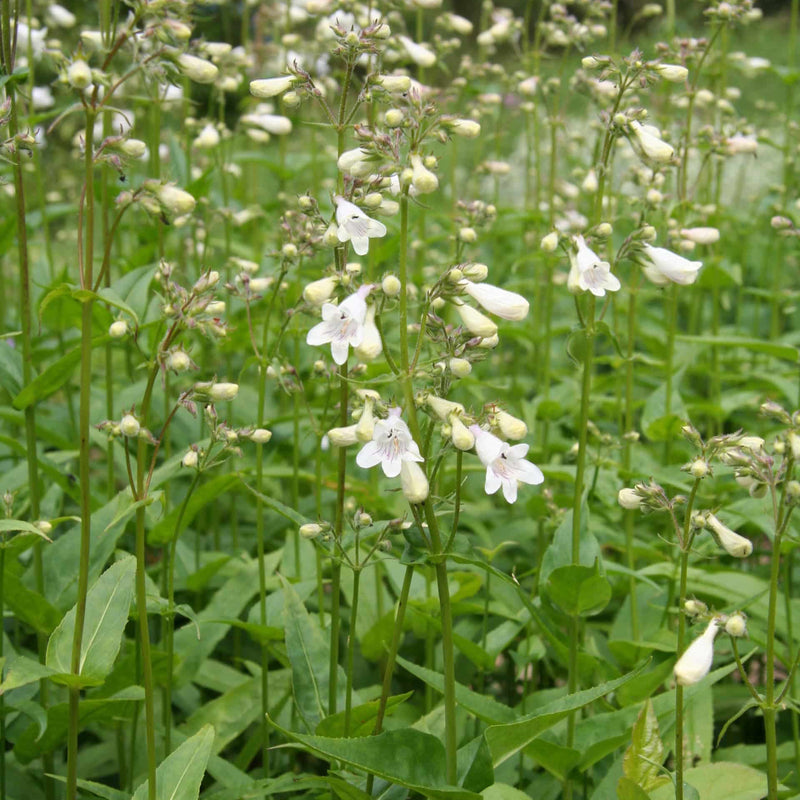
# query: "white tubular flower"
{"type": "Point", "coordinates": [652, 145]}
{"type": "Point", "coordinates": [223, 392]}
{"type": "Point", "coordinates": [461, 436]}
{"type": "Point", "coordinates": [701, 235]}
{"type": "Point", "coordinates": [343, 437]}
{"type": "Point", "coordinates": [129, 425]}
{"type": "Point", "coordinates": [466, 128]}
{"type": "Point", "coordinates": [413, 482]}
{"type": "Point", "coordinates": [197, 69]}
{"type": "Point", "coordinates": [589, 273]}
{"type": "Point", "coordinates": [663, 265]}
{"type": "Point", "coordinates": [395, 83]}
{"type": "Point", "coordinates": [355, 226]}
{"type": "Point", "coordinates": [696, 660]}
{"type": "Point", "coordinates": [731, 542]}
{"type": "Point", "coordinates": [342, 326]}
{"type": "Point", "coordinates": [674, 73]}
{"type": "Point", "coordinates": [740, 145]}
{"type": "Point", "coordinates": [271, 87]}
{"type": "Point", "coordinates": [629, 499]}
{"type": "Point", "coordinates": [318, 292]}
{"type": "Point", "coordinates": [476, 323]}
{"type": "Point", "coordinates": [443, 408]}
{"type": "Point", "coordinates": [505, 304]}
{"type": "Point", "coordinates": [391, 445]}
{"type": "Point", "coordinates": [175, 200]}
{"type": "Point", "coordinates": [418, 53]}
{"type": "Point", "coordinates": [354, 162]}
{"type": "Point", "coordinates": [366, 422]}
{"type": "Point", "coordinates": [371, 346]}
{"type": "Point", "coordinates": [422, 179]}
{"type": "Point", "coordinates": [510, 426]}
{"type": "Point", "coordinates": [505, 464]}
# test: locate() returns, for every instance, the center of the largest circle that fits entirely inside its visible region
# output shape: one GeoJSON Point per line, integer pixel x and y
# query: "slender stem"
{"type": "Point", "coordinates": [351, 646]}
{"type": "Point", "coordinates": [672, 323]}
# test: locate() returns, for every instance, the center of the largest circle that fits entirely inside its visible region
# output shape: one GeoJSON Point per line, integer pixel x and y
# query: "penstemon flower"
{"type": "Point", "coordinates": [588, 273]}
{"type": "Point", "coordinates": [501, 302]}
{"type": "Point", "coordinates": [662, 266]}
{"type": "Point", "coordinates": [695, 663]}
{"type": "Point", "coordinates": [391, 445]}
{"type": "Point", "coordinates": [732, 543]}
{"type": "Point", "coordinates": [342, 326]}
{"type": "Point", "coordinates": [355, 226]}
{"type": "Point", "coordinates": [505, 464]}
{"type": "Point", "coordinates": [653, 146]}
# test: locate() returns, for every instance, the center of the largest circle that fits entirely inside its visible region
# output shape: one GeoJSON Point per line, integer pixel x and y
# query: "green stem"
{"type": "Point", "coordinates": [672, 322]}
{"type": "Point", "coordinates": [351, 647]}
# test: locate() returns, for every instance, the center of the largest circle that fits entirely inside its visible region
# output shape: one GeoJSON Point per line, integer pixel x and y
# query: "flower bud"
{"type": "Point", "coordinates": [422, 179]}
{"type": "Point", "coordinates": [318, 292]}
{"type": "Point", "coordinates": [197, 69]}
{"type": "Point", "coordinates": [731, 542]}
{"type": "Point", "coordinates": [460, 367]}
{"type": "Point", "coordinates": [223, 392]}
{"type": "Point", "coordinates": [461, 436]}
{"type": "Point", "coordinates": [391, 285]}
{"type": "Point", "coordinates": [629, 499]}
{"type": "Point", "coordinates": [413, 482]}
{"type": "Point", "coordinates": [129, 425]}
{"type": "Point", "coordinates": [395, 83]}
{"type": "Point", "coordinates": [736, 625]}
{"type": "Point", "coordinates": [674, 73]}
{"type": "Point", "coordinates": [443, 408]}
{"type": "Point", "coordinates": [175, 200]}
{"type": "Point", "coordinates": [476, 323]}
{"type": "Point", "coordinates": [509, 426]}
{"type": "Point", "coordinates": [695, 663]}
{"type": "Point", "coordinates": [133, 148]}
{"type": "Point", "coordinates": [260, 436]}
{"type": "Point", "coordinates": [466, 128]}
{"type": "Point", "coordinates": [343, 437]}
{"type": "Point", "coordinates": [695, 608]}
{"type": "Point", "coordinates": [699, 468]}
{"type": "Point", "coordinates": [118, 329]}
{"type": "Point", "coordinates": [79, 74]}
{"type": "Point", "coordinates": [190, 459]}
{"type": "Point", "coordinates": [271, 87]}
{"type": "Point", "coordinates": [701, 235]}
{"type": "Point", "coordinates": [550, 242]}
{"type": "Point", "coordinates": [178, 361]}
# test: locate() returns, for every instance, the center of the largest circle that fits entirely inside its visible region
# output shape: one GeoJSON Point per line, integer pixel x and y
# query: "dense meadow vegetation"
{"type": "Point", "coordinates": [399, 398]}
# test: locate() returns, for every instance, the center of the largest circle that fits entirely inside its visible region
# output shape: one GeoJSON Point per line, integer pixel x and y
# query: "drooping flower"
{"type": "Point", "coordinates": [588, 273]}
{"type": "Point", "coordinates": [342, 326]}
{"type": "Point", "coordinates": [732, 543]}
{"type": "Point", "coordinates": [501, 302]}
{"type": "Point", "coordinates": [505, 464]}
{"type": "Point", "coordinates": [371, 345]}
{"type": "Point", "coordinates": [651, 143]}
{"type": "Point", "coordinates": [414, 482]}
{"type": "Point", "coordinates": [355, 226]}
{"type": "Point", "coordinates": [391, 445]}
{"type": "Point", "coordinates": [696, 660]}
{"type": "Point", "coordinates": [418, 53]}
{"type": "Point", "coordinates": [662, 266]}
{"type": "Point", "coordinates": [476, 323]}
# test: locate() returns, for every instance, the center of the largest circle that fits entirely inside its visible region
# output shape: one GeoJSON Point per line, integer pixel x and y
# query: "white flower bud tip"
{"type": "Point", "coordinates": [129, 425]}
{"type": "Point", "coordinates": [118, 329]}
{"type": "Point", "coordinates": [223, 392]}
{"type": "Point", "coordinates": [260, 436]}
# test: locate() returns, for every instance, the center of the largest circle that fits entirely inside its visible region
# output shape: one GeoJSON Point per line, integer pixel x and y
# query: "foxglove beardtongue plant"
{"type": "Point", "coordinates": [695, 662]}
{"type": "Point", "coordinates": [501, 302]}
{"type": "Point", "coordinates": [732, 543]}
{"type": "Point", "coordinates": [342, 326]}
{"type": "Point", "coordinates": [391, 445]}
{"type": "Point", "coordinates": [355, 226]}
{"type": "Point", "coordinates": [505, 464]}
{"type": "Point", "coordinates": [662, 266]}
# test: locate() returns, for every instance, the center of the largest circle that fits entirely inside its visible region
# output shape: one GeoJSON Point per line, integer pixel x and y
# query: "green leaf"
{"type": "Point", "coordinates": [502, 791]}
{"type": "Point", "coordinates": [506, 740]}
{"type": "Point", "coordinates": [28, 605]}
{"type": "Point", "coordinates": [362, 718]}
{"type": "Point", "coordinates": [629, 790]}
{"type": "Point", "coordinates": [10, 369]}
{"type": "Point", "coordinates": [657, 424]}
{"type": "Point", "coordinates": [180, 774]}
{"type": "Point", "coordinates": [720, 781]}
{"type": "Point", "coordinates": [309, 655]}
{"type": "Point", "coordinates": [165, 529]}
{"type": "Point", "coordinates": [22, 671]}
{"type": "Point", "coordinates": [107, 607]}
{"type": "Point", "coordinates": [407, 757]}
{"type": "Point", "coordinates": [646, 752]}
{"type": "Point", "coordinates": [281, 508]}
{"type": "Point", "coordinates": [482, 706]}
{"type": "Point", "coordinates": [783, 351]}
{"type": "Point", "coordinates": [49, 381]}
{"type": "Point", "coordinates": [474, 767]}
{"type": "Point", "coordinates": [578, 590]}
{"type": "Point", "coordinates": [17, 525]}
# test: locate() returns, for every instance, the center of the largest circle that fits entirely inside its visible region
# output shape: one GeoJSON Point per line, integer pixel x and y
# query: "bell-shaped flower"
{"type": "Point", "coordinates": [662, 266]}
{"type": "Point", "coordinates": [731, 542]}
{"type": "Point", "coordinates": [414, 482]}
{"type": "Point", "coordinates": [588, 273]}
{"type": "Point", "coordinates": [342, 326]}
{"type": "Point", "coordinates": [651, 144]}
{"type": "Point", "coordinates": [371, 345]}
{"type": "Point", "coordinates": [696, 660]}
{"type": "Point", "coordinates": [353, 225]}
{"type": "Point", "coordinates": [501, 302]}
{"type": "Point", "coordinates": [505, 464]}
{"type": "Point", "coordinates": [391, 445]}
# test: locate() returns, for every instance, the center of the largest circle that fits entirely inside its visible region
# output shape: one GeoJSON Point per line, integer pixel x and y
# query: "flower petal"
{"type": "Point", "coordinates": [339, 351]}
{"type": "Point", "coordinates": [510, 490]}
{"type": "Point", "coordinates": [322, 333]}
{"type": "Point", "coordinates": [493, 481]}
{"type": "Point", "coordinates": [369, 455]}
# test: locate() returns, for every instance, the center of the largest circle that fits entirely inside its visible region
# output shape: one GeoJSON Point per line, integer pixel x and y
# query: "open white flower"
{"type": "Point", "coordinates": [505, 464]}
{"type": "Point", "coordinates": [662, 266]}
{"type": "Point", "coordinates": [696, 660]}
{"type": "Point", "coordinates": [588, 273]}
{"type": "Point", "coordinates": [505, 304]}
{"type": "Point", "coordinates": [391, 445]}
{"type": "Point", "coordinates": [342, 325]}
{"type": "Point", "coordinates": [355, 226]}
